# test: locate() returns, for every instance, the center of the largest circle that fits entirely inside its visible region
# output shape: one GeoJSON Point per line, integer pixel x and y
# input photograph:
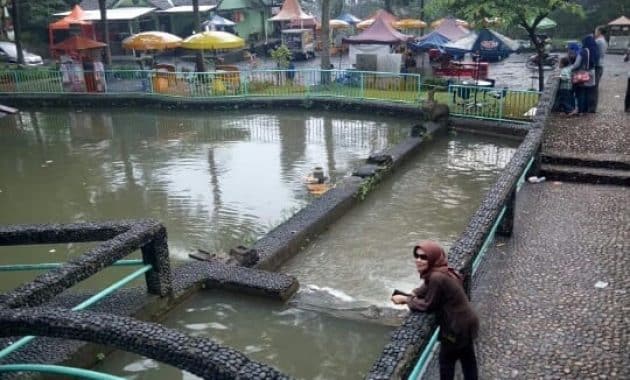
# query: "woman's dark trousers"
{"type": "Point", "coordinates": [582, 95]}
{"type": "Point", "coordinates": [449, 355]}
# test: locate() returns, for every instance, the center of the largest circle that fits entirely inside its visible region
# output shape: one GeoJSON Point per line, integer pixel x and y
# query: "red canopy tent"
{"type": "Point", "coordinates": [380, 32]}
{"type": "Point", "coordinates": [386, 16]}
{"type": "Point", "coordinates": [450, 29]}
{"type": "Point", "coordinates": [74, 18]}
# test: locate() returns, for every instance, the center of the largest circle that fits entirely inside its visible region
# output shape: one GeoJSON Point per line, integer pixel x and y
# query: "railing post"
{"type": "Point", "coordinates": [419, 88]}
{"type": "Point", "coordinates": [362, 96]}
{"type": "Point", "coordinates": [506, 226]}
{"type": "Point", "coordinates": [159, 279]}
{"type": "Point", "coordinates": [15, 78]}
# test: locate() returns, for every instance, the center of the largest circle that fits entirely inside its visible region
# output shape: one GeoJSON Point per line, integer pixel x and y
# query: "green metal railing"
{"type": "Point", "coordinates": [45, 266]}
{"type": "Point", "coordinates": [85, 304]}
{"type": "Point", "coordinates": [492, 103]}
{"type": "Point", "coordinates": [58, 370]}
{"type": "Point", "coordinates": [426, 355]}
{"type": "Point", "coordinates": [465, 101]}
{"type": "Point", "coordinates": [62, 370]}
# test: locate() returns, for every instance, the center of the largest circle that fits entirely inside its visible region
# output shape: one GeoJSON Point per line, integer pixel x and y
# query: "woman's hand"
{"type": "Point", "coordinates": [399, 299]}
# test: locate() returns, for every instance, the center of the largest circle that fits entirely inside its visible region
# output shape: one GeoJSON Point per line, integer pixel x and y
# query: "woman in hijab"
{"type": "Point", "coordinates": [585, 61]}
{"type": "Point", "coordinates": [443, 293]}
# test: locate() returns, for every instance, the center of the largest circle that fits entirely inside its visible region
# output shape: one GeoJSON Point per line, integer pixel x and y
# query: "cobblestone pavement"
{"type": "Point", "coordinates": [554, 300]}
{"type": "Point", "coordinates": [604, 135]}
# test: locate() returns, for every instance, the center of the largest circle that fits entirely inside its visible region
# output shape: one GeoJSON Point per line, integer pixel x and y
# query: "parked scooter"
{"type": "Point", "coordinates": [550, 62]}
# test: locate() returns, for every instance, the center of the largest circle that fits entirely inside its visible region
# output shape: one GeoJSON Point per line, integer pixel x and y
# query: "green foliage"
{"type": "Point", "coordinates": [510, 11]}
{"type": "Point", "coordinates": [282, 56]}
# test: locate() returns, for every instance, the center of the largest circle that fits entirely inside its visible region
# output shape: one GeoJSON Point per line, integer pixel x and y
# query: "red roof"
{"type": "Point", "coordinates": [76, 43]}
{"type": "Point", "coordinates": [382, 13]}
{"type": "Point", "coordinates": [75, 17]}
{"type": "Point", "coordinates": [380, 32]}
{"type": "Point", "coordinates": [291, 10]}
{"type": "Point", "coordinates": [451, 30]}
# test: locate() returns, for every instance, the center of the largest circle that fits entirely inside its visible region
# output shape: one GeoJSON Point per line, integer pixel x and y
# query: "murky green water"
{"type": "Point", "coordinates": [217, 180]}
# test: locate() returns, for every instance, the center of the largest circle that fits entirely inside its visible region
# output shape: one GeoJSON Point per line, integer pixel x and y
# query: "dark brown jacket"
{"type": "Point", "coordinates": [445, 296]}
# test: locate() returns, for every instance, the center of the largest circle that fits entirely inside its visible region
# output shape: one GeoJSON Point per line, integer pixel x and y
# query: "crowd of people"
{"type": "Point", "coordinates": [580, 73]}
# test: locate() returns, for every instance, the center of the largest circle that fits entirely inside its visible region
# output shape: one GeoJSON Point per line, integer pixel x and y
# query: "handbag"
{"type": "Point", "coordinates": [582, 76]}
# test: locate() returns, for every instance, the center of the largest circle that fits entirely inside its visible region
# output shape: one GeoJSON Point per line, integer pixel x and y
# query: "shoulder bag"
{"type": "Point", "coordinates": [582, 76]}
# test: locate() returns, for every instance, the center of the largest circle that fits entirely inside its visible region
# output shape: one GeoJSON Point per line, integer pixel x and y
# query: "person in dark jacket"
{"type": "Point", "coordinates": [443, 293]}
{"type": "Point", "coordinates": [586, 61]}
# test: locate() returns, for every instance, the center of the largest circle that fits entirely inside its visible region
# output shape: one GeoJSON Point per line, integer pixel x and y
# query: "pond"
{"type": "Point", "coordinates": [218, 180]}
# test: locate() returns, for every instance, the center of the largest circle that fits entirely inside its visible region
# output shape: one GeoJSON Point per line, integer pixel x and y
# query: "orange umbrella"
{"type": "Point", "coordinates": [153, 40]}
{"type": "Point", "coordinates": [459, 22]}
{"type": "Point", "coordinates": [365, 23]}
{"type": "Point", "coordinates": [409, 23]}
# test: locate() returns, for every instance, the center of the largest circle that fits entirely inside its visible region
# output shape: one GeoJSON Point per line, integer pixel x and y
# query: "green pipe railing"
{"type": "Point", "coordinates": [45, 266]}
{"type": "Point", "coordinates": [426, 355]}
{"type": "Point", "coordinates": [490, 103]}
{"type": "Point", "coordinates": [88, 302]}
{"type": "Point", "coordinates": [58, 370]}
{"type": "Point", "coordinates": [464, 100]}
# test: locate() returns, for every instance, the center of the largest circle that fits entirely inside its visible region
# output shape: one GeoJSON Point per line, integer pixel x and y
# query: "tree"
{"type": "Point", "coordinates": [525, 13]}
{"type": "Point", "coordinates": [325, 36]}
{"type": "Point", "coordinates": [197, 25]}
{"type": "Point", "coordinates": [102, 7]}
{"type": "Point", "coordinates": [17, 30]}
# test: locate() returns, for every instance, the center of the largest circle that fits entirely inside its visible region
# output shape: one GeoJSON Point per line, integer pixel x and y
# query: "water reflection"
{"type": "Point", "coordinates": [215, 179]}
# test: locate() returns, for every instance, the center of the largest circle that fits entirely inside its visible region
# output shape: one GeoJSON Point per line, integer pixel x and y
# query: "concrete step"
{"type": "Point", "coordinates": [585, 161]}
{"type": "Point", "coordinates": [586, 174]}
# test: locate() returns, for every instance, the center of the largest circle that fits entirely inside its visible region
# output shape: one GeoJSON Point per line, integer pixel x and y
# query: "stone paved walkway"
{"type": "Point", "coordinates": [543, 317]}
{"type": "Point", "coordinates": [554, 299]}
{"type": "Point", "coordinates": [603, 136]}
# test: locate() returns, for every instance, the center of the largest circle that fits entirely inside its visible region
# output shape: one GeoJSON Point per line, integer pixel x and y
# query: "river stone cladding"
{"type": "Point", "coordinates": [199, 356]}
{"type": "Point", "coordinates": [122, 239]}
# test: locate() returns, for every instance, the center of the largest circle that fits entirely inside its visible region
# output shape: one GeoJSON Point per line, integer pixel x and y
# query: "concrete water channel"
{"type": "Point", "coordinates": [222, 179]}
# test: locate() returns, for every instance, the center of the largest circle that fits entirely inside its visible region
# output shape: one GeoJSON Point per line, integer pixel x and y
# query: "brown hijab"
{"type": "Point", "coordinates": [437, 260]}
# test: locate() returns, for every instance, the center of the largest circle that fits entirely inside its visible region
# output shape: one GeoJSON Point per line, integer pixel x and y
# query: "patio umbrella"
{"type": "Point", "coordinates": [365, 23]}
{"type": "Point", "coordinates": [78, 43]}
{"type": "Point", "coordinates": [409, 23]}
{"type": "Point", "coordinates": [545, 23]}
{"type": "Point", "coordinates": [437, 23]}
{"type": "Point", "coordinates": [213, 40]}
{"type": "Point", "coordinates": [153, 40]}
{"type": "Point", "coordinates": [217, 21]}
{"type": "Point", "coordinates": [349, 18]}
{"type": "Point", "coordinates": [338, 24]}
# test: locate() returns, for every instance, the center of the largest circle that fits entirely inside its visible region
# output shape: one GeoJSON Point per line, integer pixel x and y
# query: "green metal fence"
{"type": "Point", "coordinates": [492, 103]}
{"type": "Point", "coordinates": [465, 101]}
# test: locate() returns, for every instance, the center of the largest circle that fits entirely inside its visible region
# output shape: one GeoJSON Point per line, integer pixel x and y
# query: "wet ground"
{"type": "Point", "coordinates": [604, 135]}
